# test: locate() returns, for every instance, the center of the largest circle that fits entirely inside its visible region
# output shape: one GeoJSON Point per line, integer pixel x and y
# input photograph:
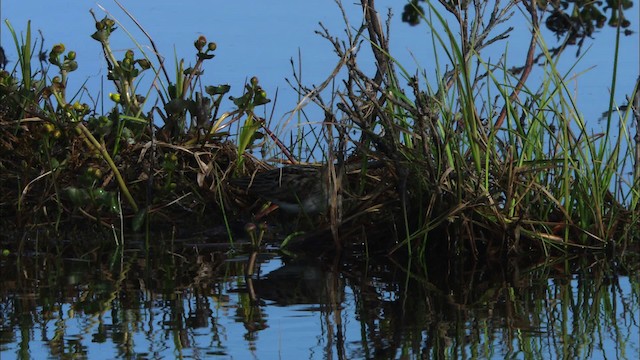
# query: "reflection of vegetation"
{"type": "Point", "coordinates": [185, 302]}
{"type": "Point", "coordinates": [539, 311]}
{"type": "Point", "coordinates": [572, 20]}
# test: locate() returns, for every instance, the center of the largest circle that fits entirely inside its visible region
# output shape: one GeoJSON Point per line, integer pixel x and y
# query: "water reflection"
{"type": "Point", "coordinates": [198, 304]}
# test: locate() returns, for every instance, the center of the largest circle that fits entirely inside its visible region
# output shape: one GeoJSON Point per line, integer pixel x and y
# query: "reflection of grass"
{"type": "Point", "coordinates": [564, 308]}
{"type": "Point", "coordinates": [575, 307]}
{"type": "Point", "coordinates": [475, 154]}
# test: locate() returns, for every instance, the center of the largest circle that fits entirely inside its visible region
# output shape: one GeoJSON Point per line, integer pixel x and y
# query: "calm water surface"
{"type": "Point", "coordinates": [198, 304]}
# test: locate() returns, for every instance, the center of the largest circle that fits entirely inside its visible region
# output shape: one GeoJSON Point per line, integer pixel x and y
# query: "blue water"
{"type": "Point", "coordinates": [306, 310]}
{"type": "Point", "coordinates": [259, 38]}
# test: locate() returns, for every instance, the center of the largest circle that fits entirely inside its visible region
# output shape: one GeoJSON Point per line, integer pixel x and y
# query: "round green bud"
{"type": "Point", "coordinates": [72, 66]}
{"type": "Point", "coordinates": [58, 48]}
{"type": "Point", "coordinates": [200, 42]}
{"type": "Point", "coordinates": [49, 128]}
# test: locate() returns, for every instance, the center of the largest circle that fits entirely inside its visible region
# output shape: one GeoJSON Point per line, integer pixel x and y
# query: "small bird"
{"type": "Point", "coordinates": [294, 188]}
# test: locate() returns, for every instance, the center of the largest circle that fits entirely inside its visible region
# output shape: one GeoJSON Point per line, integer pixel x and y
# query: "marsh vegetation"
{"type": "Point", "coordinates": [464, 184]}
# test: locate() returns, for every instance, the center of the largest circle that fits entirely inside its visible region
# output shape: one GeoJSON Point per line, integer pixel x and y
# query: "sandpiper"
{"type": "Point", "coordinates": [294, 188]}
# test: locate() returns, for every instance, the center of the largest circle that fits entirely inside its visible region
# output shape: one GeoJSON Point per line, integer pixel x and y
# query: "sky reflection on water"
{"type": "Point", "coordinates": [309, 309]}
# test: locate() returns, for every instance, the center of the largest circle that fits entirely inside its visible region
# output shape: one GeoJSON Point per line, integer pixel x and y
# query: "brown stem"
{"type": "Point", "coordinates": [531, 7]}
{"type": "Point", "coordinates": [378, 42]}
{"type": "Point", "coordinates": [153, 44]}
{"type": "Point", "coordinates": [635, 103]}
{"type": "Point", "coordinates": [278, 142]}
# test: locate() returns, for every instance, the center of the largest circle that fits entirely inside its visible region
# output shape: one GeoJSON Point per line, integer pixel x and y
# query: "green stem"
{"type": "Point", "coordinates": [105, 155]}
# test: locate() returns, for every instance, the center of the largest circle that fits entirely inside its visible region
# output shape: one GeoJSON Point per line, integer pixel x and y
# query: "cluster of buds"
{"type": "Point", "coordinates": [94, 172]}
{"type": "Point", "coordinates": [52, 130]}
{"type": "Point", "coordinates": [104, 28]}
{"type": "Point", "coordinates": [76, 111]}
{"type": "Point", "coordinates": [254, 96]}
{"type": "Point", "coordinates": [127, 69]}
{"type": "Point", "coordinates": [69, 61]}
{"type": "Point", "coordinates": [200, 44]}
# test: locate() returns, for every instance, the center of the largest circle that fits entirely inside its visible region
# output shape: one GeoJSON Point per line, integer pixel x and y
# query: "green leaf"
{"type": "Point", "coordinates": [289, 238]}
{"type": "Point", "coordinates": [217, 90]}
{"type": "Point", "coordinates": [77, 196]}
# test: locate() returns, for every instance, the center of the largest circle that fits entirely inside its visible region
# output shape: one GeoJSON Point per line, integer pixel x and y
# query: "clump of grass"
{"type": "Point", "coordinates": [521, 174]}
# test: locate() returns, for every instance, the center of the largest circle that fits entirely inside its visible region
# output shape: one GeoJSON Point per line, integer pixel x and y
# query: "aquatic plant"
{"type": "Point", "coordinates": [475, 158]}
